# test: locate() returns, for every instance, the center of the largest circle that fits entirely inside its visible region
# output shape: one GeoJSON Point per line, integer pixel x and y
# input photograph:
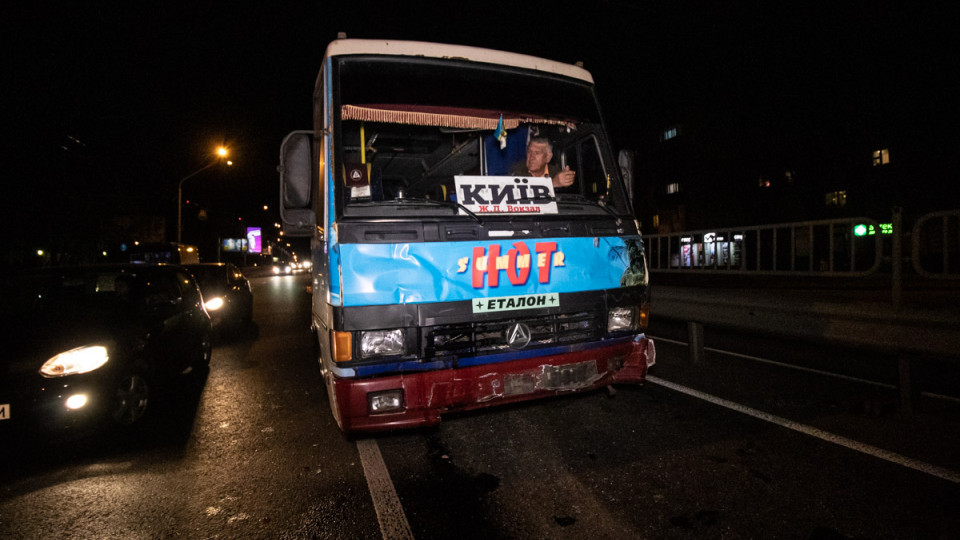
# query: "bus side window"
{"type": "Point", "coordinates": [570, 157]}
{"type": "Point", "coordinates": [594, 179]}
{"type": "Point", "coordinates": [584, 158]}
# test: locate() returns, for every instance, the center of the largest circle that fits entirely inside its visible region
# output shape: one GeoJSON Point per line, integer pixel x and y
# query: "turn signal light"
{"type": "Point", "coordinates": [644, 315]}
{"type": "Point", "coordinates": [342, 346]}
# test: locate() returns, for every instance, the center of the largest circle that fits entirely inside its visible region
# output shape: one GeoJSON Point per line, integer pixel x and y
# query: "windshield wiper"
{"type": "Point", "coordinates": [577, 198]}
{"type": "Point", "coordinates": [449, 204]}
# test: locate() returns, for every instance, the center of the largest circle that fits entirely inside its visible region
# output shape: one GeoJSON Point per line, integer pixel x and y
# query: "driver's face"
{"type": "Point", "coordinates": [538, 155]}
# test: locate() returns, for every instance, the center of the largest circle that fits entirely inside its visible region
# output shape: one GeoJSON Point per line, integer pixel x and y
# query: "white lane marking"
{"type": "Point", "coordinates": [892, 457]}
{"type": "Point", "coordinates": [808, 370]}
{"type": "Point", "coordinates": [393, 521]}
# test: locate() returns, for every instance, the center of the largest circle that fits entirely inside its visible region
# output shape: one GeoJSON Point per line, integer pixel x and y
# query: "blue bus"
{"type": "Point", "coordinates": [473, 242]}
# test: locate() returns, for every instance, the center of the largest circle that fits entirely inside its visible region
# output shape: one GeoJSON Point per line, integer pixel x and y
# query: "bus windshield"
{"type": "Point", "coordinates": [437, 140]}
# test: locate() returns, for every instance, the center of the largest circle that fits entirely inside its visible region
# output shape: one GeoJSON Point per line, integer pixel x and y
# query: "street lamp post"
{"type": "Point", "coordinates": [221, 153]}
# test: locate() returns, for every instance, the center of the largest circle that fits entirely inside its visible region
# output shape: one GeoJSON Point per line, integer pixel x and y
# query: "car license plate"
{"type": "Point", "coordinates": [4, 411]}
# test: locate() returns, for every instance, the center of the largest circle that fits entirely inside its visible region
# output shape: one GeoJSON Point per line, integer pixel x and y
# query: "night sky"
{"type": "Point", "coordinates": [108, 104]}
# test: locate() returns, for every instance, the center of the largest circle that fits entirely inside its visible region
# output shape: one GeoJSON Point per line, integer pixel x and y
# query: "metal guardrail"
{"type": "Point", "coordinates": [935, 245]}
{"type": "Point", "coordinates": [824, 248]}
{"type": "Point", "coordinates": [842, 247]}
{"type": "Point", "coordinates": [836, 247]}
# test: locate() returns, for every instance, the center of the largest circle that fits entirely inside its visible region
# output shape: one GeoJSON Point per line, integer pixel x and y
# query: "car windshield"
{"type": "Point", "coordinates": [68, 295]}
{"type": "Point", "coordinates": [208, 276]}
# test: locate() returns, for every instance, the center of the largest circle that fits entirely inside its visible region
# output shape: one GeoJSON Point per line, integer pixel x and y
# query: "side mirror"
{"type": "Point", "coordinates": [296, 181]}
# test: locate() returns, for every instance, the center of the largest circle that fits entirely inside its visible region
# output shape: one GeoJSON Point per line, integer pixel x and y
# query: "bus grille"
{"type": "Point", "coordinates": [489, 337]}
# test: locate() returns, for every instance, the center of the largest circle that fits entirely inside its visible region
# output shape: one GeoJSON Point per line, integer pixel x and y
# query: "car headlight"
{"type": "Point", "coordinates": [214, 304]}
{"type": "Point", "coordinates": [620, 319]}
{"type": "Point", "coordinates": [75, 361]}
{"type": "Point", "coordinates": [381, 343]}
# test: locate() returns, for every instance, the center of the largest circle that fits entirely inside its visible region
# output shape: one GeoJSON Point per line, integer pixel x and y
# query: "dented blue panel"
{"type": "Point", "coordinates": [383, 274]}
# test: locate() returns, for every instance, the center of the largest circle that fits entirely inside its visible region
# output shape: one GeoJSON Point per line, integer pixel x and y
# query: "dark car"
{"type": "Point", "coordinates": [226, 293]}
{"type": "Point", "coordinates": [94, 345]}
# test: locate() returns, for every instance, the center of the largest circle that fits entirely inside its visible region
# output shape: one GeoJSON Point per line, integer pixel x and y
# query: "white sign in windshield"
{"type": "Point", "coordinates": [506, 194]}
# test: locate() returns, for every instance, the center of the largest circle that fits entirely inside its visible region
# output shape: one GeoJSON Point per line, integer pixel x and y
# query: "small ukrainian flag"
{"type": "Point", "coordinates": [501, 134]}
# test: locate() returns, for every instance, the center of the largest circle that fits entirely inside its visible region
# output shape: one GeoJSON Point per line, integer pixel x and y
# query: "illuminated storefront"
{"type": "Point", "coordinates": [709, 250]}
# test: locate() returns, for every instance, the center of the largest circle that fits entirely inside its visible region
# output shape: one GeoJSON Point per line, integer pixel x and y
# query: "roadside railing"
{"type": "Point", "coordinates": [836, 247]}
{"type": "Point", "coordinates": [935, 245]}
{"type": "Point", "coordinates": [848, 247]}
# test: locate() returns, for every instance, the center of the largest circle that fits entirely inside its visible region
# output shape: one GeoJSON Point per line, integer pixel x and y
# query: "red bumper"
{"type": "Point", "coordinates": [428, 394]}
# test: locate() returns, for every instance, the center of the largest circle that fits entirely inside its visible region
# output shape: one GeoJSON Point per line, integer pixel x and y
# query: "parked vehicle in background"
{"type": "Point", "coordinates": [93, 345]}
{"type": "Point", "coordinates": [227, 294]}
{"type": "Point", "coordinates": [451, 269]}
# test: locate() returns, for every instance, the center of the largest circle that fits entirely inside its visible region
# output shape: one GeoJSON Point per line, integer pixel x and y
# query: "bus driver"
{"type": "Point", "coordinates": [539, 154]}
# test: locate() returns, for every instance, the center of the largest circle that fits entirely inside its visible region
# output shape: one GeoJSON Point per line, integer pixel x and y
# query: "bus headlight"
{"type": "Point", "coordinates": [621, 319]}
{"type": "Point", "coordinates": [381, 343]}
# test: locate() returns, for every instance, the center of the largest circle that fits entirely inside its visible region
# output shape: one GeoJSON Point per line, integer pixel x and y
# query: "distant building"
{"type": "Point", "coordinates": [696, 174]}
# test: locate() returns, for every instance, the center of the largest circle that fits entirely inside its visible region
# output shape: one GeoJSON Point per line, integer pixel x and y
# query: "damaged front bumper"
{"type": "Point", "coordinates": [418, 399]}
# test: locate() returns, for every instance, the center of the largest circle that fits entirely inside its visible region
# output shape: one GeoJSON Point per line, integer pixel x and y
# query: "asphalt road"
{"type": "Point", "coordinates": [254, 453]}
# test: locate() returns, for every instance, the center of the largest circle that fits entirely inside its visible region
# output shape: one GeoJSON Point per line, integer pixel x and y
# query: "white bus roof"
{"type": "Point", "coordinates": [460, 52]}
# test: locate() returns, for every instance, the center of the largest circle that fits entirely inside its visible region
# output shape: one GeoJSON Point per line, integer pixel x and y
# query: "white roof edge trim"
{"type": "Point", "coordinates": [460, 52]}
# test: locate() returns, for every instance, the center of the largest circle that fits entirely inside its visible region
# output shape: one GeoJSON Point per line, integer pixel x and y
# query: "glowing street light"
{"type": "Point", "coordinates": [221, 153]}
